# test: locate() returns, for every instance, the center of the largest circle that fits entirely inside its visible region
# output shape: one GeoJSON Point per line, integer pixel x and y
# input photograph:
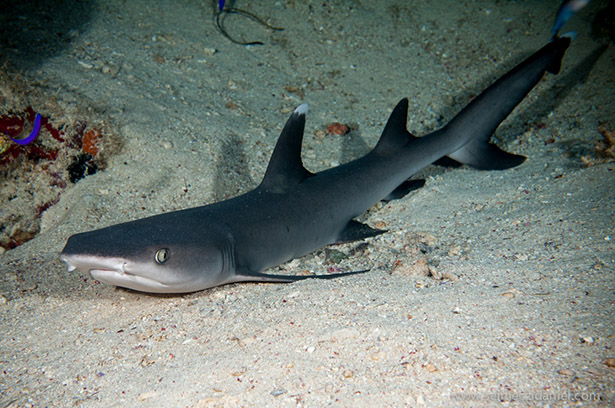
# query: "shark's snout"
{"type": "Point", "coordinates": [112, 271]}
{"type": "Point", "coordinates": [91, 264]}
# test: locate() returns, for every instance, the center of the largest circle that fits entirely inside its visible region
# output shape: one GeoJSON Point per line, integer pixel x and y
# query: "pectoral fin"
{"type": "Point", "coordinates": [403, 189]}
{"type": "Point", "coordinates": [356, 231]}
{"type": "Point", "coordinates": [245, 275]}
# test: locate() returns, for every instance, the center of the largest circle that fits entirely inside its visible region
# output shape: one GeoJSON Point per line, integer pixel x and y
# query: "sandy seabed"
{"type": "Point", "coordinates": [490, 289]}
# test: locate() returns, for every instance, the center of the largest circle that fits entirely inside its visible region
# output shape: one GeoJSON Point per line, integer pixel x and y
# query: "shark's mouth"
{"type": "Point", "coordinates": [127, 280]}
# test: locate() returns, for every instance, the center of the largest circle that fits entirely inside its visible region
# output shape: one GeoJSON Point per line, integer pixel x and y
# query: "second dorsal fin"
{"type": "Point", "coordinates": [285, 166]}
{"type": "Point", "coordinates": [395, 133]}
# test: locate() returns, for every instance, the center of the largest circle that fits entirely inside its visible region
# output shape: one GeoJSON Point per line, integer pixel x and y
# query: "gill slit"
{"type": "Point", "coordinates": [228, 256]}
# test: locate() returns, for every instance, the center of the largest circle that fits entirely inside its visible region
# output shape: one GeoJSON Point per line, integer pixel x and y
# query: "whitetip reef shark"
{"type": "Point", "coordinates": [293, 211]}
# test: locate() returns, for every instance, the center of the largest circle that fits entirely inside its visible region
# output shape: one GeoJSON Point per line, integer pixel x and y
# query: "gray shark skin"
{"type": "Point", "coordinates": [294, 212]}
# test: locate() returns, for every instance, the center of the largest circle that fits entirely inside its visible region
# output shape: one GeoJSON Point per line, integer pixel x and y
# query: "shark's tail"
{"type": "Point", "coordinates": [470, 131]}
{"type": "Point", "coordinates": [481, 154]}
{"type": "Point", "coordinates": [485, 113]}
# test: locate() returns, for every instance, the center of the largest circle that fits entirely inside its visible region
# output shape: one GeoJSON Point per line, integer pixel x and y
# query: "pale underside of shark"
{"type": "Point", "coordinates": [293, 211]}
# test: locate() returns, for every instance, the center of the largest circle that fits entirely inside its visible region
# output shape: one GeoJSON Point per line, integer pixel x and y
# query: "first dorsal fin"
{"type": "Point", "coordinates": [395, 133]}
{"type": "Point", "coordinates": [285, 166]}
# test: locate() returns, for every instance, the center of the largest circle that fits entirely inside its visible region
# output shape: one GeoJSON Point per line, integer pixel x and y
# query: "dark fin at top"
{"type": "Point", "coordinates": [356, 231]}
{"type": "Point", "coordinates": [560, 45]}
{"type": "Point", "coordinates": [395, 133]}
{"type": "Point", "coordinates": [285, 166]}
{"type": "Point", "coordinates": [249, 276]}
{"type": "Point", "coordinates": [403, 189]}
{"type": "Point", "coordinates": [486, 156]}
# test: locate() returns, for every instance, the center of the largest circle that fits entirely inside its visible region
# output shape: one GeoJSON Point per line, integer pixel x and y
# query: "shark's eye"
{"type": "Point", "coordinates": [161, 255]}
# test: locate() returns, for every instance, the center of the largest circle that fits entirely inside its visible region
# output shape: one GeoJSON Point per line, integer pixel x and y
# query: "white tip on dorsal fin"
{"type": "Point", "coordinates": [285, 166]}
{"type": "Point", "coordinates": [302, 109]}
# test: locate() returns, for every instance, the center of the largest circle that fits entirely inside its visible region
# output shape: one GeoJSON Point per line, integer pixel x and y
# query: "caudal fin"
{"type": "Point", "coordinates": [486, 156]}
{"type": "Point", "coordinates": [477, 121]}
